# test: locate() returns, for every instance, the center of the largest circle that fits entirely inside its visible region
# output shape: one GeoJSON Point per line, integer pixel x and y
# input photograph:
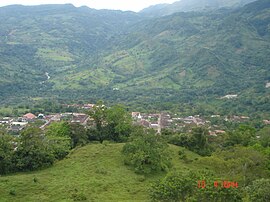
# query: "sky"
{"type": "Point", "coordinates": [133, 5]}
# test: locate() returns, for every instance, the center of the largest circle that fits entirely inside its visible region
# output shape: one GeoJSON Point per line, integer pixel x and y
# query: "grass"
{"type": "Point", "coordinates": [95, 172]}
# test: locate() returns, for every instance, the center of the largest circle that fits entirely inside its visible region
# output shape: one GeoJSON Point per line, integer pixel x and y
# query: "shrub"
{"type": "Point", "coordinates": [147, 153]}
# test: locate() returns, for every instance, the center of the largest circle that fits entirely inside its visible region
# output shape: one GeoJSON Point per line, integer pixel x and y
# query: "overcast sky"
{"type": "Point", "coordinates": [134, 5]}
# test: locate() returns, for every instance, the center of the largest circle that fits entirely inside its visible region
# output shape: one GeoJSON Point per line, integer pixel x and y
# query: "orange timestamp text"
{"type": "Point", "coordinates": [223, 184]}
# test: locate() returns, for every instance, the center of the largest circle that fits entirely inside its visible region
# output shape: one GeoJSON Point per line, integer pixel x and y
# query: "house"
{"type": "Point", "coordinates": [136, 115]}
{"type": "Point", "coordinates": [5, 120]}
{"type": "Point", "coordinates": [41, 116]}
{"type": "Point", "coordinates": [17, 126]}
{"type": "Point", "coordinates": [229, 96]}
{"type": "Point", "coordinates": [88, 106]}
{"type": "Point", "coordinates": [145, 123]}
{"type": "Point", "coordinates": [220, 131]}
{"type": "Point", "coordinates": [80, 118]}
{"type": "Point", "coordinates": [29, 116]}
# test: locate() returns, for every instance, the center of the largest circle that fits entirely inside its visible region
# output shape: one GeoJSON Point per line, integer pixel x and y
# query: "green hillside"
{"type": "Point", "coordinates": [95, 172]}
{"type": "Point", "coordinates": [71, 54]}
{"type": "Point", "coordinates": [192, 5]}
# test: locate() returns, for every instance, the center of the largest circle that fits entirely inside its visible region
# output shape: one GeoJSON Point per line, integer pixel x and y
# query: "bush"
{"type": "Point", "coordinates": [182, 154]}
{"type": "Point", "coordinates": [174, 187]}
{"type": "Point", "coordinates": [259, 190]}
{"type": "Point", "coordinates": [184, 187]}
{"type": "Point", "coordinates": [147, 153]}
{"type": "Point", "coordinates": [12, 192]}
{"type": "Point", "coordinates": [33, 151]}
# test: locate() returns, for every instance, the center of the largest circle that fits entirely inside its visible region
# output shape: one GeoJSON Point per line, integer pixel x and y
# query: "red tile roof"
{"type": "Point", "coordinates": [29, 116]}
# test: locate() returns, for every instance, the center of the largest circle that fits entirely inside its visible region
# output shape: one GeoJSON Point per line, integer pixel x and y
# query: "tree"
{"type": "Point", "coordinates": [119, 123]}
{"type": "Point", "coordinates": [174, 187]}
{"type": "Point", "coordinates": [192, 186]}
{"type": "Point", "coordinates": [58, 135]}
{"type": "Point", "coordinates": [243, 164]}
{"type": "Point", "coordinates": [113, 123]}
{"type": "Point", "coordinates": [147, 152]}
{"type": "Point", "coordinates": [99, 115]}
{"type": "Point", "coordinates": [243, 135]}
{"type": "Point", "coordinates": [6, 154]}
{"type": "Point", "coordinates": [198, 141]}
{"type": "Point", "coordinates": [78, 135]}
{"type": "Point", "coordinates": [33, 151]}
{"type": "Point", "coordinates": [58, 129]}
{"type": "Point", "coordinates": [265, 136]}
{"type": "Point", "coordinates": [199, 136]}
{"type": "Point", "coordinates": [259, 190]}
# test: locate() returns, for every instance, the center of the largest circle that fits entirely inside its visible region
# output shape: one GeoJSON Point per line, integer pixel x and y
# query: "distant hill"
{"type": "Point", "coordinates": [192, 5]}
{"type": "Point", "coordinates": [184, 60]}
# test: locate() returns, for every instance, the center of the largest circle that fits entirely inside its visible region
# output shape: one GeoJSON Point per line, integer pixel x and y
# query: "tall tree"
{"type": "Point", "coordinates": [6, 154]}
{"type": "Point", "coordinates": [147, 152]}
{"type": "Point", "coordinates": [33, 150]}
{"type": "Point", "coordinates": [99, 115]}
{"type": "Point", "coordinates": [119, 123]}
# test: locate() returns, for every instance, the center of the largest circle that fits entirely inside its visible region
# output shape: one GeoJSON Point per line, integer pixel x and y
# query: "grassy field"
{"type": "Point", "coordinates": [95, 172]}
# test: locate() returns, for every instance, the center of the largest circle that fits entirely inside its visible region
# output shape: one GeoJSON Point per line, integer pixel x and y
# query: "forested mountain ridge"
{"type": "Point", "coordinates": [192, 5]}
{"type": "Point", "coordinates": [54, 39]}
{"type": "Point", "coordinates": [190, 58]}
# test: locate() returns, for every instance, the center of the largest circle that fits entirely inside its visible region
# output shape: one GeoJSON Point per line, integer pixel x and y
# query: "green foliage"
{"type": "Point", "coordinates": [264, 136]}
{"type": "Point", "coordinates": [147, 153]}
{"type": "Point", "coordinates": [99, 115]}
{"type": "Point", "coordinates": [58, 129]}
{"type": "Point", "coordinates": [12, 192]}
{"type": "Point", "coordinates": [182, 154]}
{"type": "Point", "coordinates": [6, 154]}
{"type": "Point", "coordinates": [259, 190]}
{"type": "Point", "coordinates": [174, 187]}
{"type": "Point", "coordinates": [113, 123]}
{"type": "Point", "coordinates": [242, 164]}
{"type": "Point", "coordinates": [59, 135]}
{"type": "Point", "coordinates": [119, 123]}
{"type": "Point", "coordinates": [78, 196]}
{"type": "Point", "coordinates": [184, 187]}
{"type": "Point", "coordinates": [60, 146]}
{"type": "Point", "coordinates": [196, 141]}
{"type": "Point", "coordinates": [244, 135]}
{"type": "Point", "coordinates": [78, 135]}
{"type": "Point", "coordinates": [33, 151]}
{"type": "Point", "coordinates": [158, 63]}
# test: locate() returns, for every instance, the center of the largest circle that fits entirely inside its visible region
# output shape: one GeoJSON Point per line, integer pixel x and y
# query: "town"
{"type": "Point", "coordinates": [156, 121]}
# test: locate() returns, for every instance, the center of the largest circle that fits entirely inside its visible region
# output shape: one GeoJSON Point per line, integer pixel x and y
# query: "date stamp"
{"type": "Point", "coordinates": [223, 184]}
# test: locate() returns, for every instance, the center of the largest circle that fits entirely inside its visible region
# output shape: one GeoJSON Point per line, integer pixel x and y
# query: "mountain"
{"type": "Point", "coordinates": [54, 39]}
{"type": "Point", "coordinates": [185, 60]}
{"type": "Point", "coordinates": [192, 5]}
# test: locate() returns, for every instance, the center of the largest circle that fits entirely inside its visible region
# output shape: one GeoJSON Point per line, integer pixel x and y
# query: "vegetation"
{"type": "Point", "coordinates": [230, 172]}
{"type": "Point", "coordinates": [96, 172]}
{"type": "Point", "coordinates": [147, 153]}
{"type": "Point", "coordinates": [113, 123]}
{"type": "Point", "coordinates": [182, 62]}
{"type": "Point", "coordinates": [196, 141]}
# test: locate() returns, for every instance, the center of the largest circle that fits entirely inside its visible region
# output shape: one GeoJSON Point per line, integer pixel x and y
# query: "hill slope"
{"type": "Point", "coordinates": [70, 53]}
{"type": "Point", "coordinates": [94, 172]}
{"type": "Point", "coordinates": [192, 5]}
{"type": "Point", "coordinates": [57, 39]}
